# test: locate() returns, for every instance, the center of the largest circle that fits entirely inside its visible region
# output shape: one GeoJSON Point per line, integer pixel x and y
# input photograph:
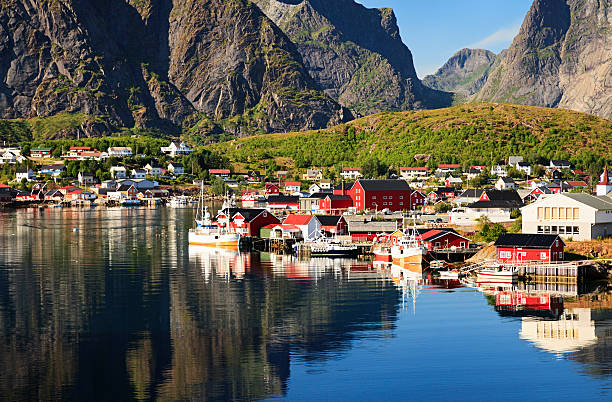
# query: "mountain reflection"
{"type": "Point", "coordinates": [118, 309]}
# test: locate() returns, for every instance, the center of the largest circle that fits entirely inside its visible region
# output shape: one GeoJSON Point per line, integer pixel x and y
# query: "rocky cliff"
{"type": "Point", "coordinates": [465, 73]}
{"type": "Point", "coordinates": [562, 57]}
{"type": "Point", "coordinates": [160, 64]}
{"type": "Point", "coordinates": [355, 54]}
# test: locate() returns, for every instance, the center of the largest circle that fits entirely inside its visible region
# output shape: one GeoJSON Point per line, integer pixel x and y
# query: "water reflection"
{"type": "Point", "coordinates": [123, 307]}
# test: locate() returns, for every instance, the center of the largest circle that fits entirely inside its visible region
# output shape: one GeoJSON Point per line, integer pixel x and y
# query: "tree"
{"type": "Point", "coordinates": [218, 187]}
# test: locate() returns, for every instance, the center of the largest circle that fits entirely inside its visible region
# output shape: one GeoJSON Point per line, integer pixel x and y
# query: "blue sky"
{"type": "Point", "coordinates": [435, 29]}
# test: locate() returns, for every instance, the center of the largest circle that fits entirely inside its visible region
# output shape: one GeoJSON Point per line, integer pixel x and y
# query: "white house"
{"type": "Point", "coordinates": [524, 167]}
{"type": "Point", "coordinates": [27, 174]}
{"type": "Point", "coordinates": [580, 216]}
{"type": "Point", "coordinates": [153, 169]}
{"type": "Point", "coordinates": [293, 187]}
{"type": "Point", "coordinates": [118, 172]}
{"type": "Point", "coordinates": [309, 225]}
{"type": "Point", "coordinates": [560, 164]}
{"type": "Point", "coordinates": [11, 156]}
{"type": "Point", "coordinates": [326, 185]}
{"type": "Point", "coordinates": [505, 183]}
{"type": "Point", "coordinates": [496, 205]}
{"type": "Point", "coordinates": [499, 170]}
{"type": "Point", "coordinates": [351, 173]}
{"type": "Point", "coordinates": [313, 175]}
{"type": "Point", "coordinates": [409, 173]}
{"type": "Point", "coordinates": [177, 149]}
{"type": "Point", "coordinates": [176, 169]}
{"type": "Point", "coordinates": [86, 179]}
{"type": "Point", "coordinates": [119, 152]}
{"type": "Point", "coordinates": [138, 174]}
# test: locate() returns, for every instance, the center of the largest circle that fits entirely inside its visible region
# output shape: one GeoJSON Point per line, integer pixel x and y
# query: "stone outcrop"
{"type": "Point", "coordinates": [562, 57]}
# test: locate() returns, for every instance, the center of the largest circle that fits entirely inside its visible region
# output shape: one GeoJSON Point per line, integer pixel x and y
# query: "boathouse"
{"type": "Point", "coordinates": [247, 222]}
{"type": "Point", "coordinates": [333, 224]}
{"type": "Point", "coordinates": [309, 225]}
{"type": "Point", "coordinates": [333, 203]}
{"type": "Point", "coordinates": [443, 239]}
{"type": "Point", "coordinates": [518, 248]}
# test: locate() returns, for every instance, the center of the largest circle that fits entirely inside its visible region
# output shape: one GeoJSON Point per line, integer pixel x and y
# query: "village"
{"type": "Point", "coordinates": [459, 211]}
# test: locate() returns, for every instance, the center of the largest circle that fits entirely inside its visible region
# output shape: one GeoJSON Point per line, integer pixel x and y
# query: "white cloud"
{"type": "Point", "coordinates": [502, 37]}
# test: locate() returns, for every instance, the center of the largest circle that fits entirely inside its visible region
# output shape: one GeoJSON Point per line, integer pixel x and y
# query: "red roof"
{"type": "Point", "coordinates": [285, 226]}
{"type": "Point", "coordinates": [3, 186]}
{"type": "Point", "coordinates": [80, 148]}
{"type": "Point", "coordinates": [413, 169]}
{"type": "Point", "coordinates": [448, 166]}
{"type": "Point", "coordinates": [293, 184]}
{"type": "Point", "coordinates": [430, 233]}
{"type": "Point", "coordinates": [578, 183]}
{"type": "Point", "coordinates": [348, 169]}
{"type": "Point", "coordinates": [299, 220]}
{"type": "Point", "coordinates": [219, 171]}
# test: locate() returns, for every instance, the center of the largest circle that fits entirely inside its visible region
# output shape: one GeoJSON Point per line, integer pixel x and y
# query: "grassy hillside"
{"type": "Point", "coordinates": [470, 134]}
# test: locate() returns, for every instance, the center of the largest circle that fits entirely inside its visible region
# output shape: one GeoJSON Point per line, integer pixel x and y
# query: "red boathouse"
{"type": "Point", "coordinates": [543, 248]}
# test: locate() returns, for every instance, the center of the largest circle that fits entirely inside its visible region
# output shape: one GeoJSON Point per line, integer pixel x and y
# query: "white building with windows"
{"type": "Point", "coordinates": [177, 149]}
{"type": "Point", "coordinates": [118, 172]}
{"type": "Point", "coordinates": [351, 173]}
{"type": "Point", "coordinates": [119, 152]}
{"type": "Point", "coordinates": [580, 216]}
{"type": "Point", "coordinates": [499, 170]}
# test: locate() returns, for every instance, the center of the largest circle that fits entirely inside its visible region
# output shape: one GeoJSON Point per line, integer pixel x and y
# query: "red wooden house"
{"type": "Point", "coordinates": [440, 239]}
{"type": "Point", "coordinates": [395, 195]}
{"type": "Point", "coordinates": [6, 193]}
{"type": "Point", "coordinates": [343, 188]}
{"type": "Point", "coordinates": [247, 222]}
{"type": "Point", "coordinates": [333, 203]}
{"type": "Point", "coordinates": [515, 247]}
{"type": "Point", "coordinates": [333, 224]}
{"type": "Point", "coordinates": [272, 188]}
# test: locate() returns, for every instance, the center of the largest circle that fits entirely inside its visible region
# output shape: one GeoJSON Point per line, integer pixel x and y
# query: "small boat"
{"type": "Point", "coordinates": [129, 203]}
{"type": "Point", "coordinates": [179, 201]}
{"type": "Point", "coordinates": [496, 273]}
{"type": "Point", "coordinates": [329, 247]}
{"type": "Point", "coordinates": [451, 275]}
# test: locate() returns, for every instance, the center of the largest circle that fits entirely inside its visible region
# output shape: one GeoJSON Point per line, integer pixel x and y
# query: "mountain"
{"type": "Point", "coordinates": [354, 53]}
{"type": "Point", "coordinates": [168, 65]}
{"type": "Point", "coordinates": [562, 57]}
{"type": "Point", "coordinates": [472, 134]}
{"type": "Point", "coordinates": [465, 73]}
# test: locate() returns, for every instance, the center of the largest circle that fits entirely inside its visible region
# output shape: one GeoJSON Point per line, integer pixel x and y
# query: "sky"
{"type": "Point", "coordinates": [435, 29]}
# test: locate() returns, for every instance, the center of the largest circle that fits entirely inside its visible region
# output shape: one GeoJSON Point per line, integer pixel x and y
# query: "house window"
{"type": "Point", "coordinates": [561, 229]}
{"type": "Point", "coordinates": [561, 213]}
{"type": "Point", "coordinates": [462, 244]}
{"type": "Point", "coordinates": [546, 229]}
{"type": "Point", "coordinates": [547, 213]}
{"type": "Point", "coordinates": [568, 230]}
{"type": "Point", "coordinates": [576, 230]}
{"type": "Point", "coordinates": [553, 229]}
{"type": "Point", "coordinates": [401, 197]}
{"type": "Point", "coordinates": [384, 197]}
{"type": "Point", "coordinates": [437, 244]}
{"type": "Point", "coordinates": [401, 203]}
{"type": "Point", "coordinates": [576, 213]}
{"type": "Point", "coordinates": [390, 197]}
{"type": "Point", "coordinates": [373, 197]}
{"type": "Point", "coordinates": [540, 213]}
{"type": "Point", "coordinates": [543, 255]}
{"type": "Point", "coordinates": [555, 213]}
{"type": "Point", "coordinates": [390, 203]}
{"type": "Point", "coordinates": [569, 213]}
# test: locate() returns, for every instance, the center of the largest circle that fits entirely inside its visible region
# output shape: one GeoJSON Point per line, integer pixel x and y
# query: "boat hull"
{"type": "Point", "coordinates": [496, 276]}
{"type": "Point", "coordinates": [229, 241]}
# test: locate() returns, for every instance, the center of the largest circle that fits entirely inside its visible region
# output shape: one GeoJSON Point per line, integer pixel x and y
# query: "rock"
{"type": "Point", "coordinates": [562, 57]}
{"type": "Point", "coordinates": [465, 73]}
{"type": "Point", "coordinates": [355, 54]}
{"type": "Point", "coordinates": [154, 64]}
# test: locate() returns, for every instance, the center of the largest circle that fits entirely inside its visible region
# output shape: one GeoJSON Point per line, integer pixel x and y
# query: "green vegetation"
{"type": "Point", "coordinates": [475, 134]}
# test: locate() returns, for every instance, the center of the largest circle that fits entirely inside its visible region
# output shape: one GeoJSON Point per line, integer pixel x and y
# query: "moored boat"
{"type": "Point", "coordinates": [496, 273]}
{"type": "Point", "coordinates": [329, 247]}
{"type": "Point", "coordinates": [409, 253]}
{"type": "Point", "coordinates": [382, 254]}
{"type": "Point", "coordinates": [208, 234]}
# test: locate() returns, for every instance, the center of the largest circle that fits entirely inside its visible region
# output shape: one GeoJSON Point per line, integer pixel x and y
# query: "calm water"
{"type": "Point", "coordinates": [123, 309]}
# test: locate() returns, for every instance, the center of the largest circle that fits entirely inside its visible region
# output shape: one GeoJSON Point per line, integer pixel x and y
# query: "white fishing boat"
{"type": "Point", "coordinates": [409, 253]}
{"type": "Point", "coordinates": [328, 247]}
{"type": "Point", "coordinates": [208, 234]}
{"type": "Point", "coordinates": [496, 273]}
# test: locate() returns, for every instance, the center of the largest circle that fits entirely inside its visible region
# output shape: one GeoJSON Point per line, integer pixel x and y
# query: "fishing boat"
{"type": "Point", "coordinates": [382, 254]}
{"type": "Point", "coordinates": [409, 253]}
{"type": "Point", "coordinates": [496, 273]}
{"type": "Point", "coordinates": [128, 202]}
{"type": "Point", "coordinates": [208, 234]}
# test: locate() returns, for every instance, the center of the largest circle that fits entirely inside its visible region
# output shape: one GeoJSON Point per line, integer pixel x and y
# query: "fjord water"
{"type": "Point", "coordinates": [112, 304]}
